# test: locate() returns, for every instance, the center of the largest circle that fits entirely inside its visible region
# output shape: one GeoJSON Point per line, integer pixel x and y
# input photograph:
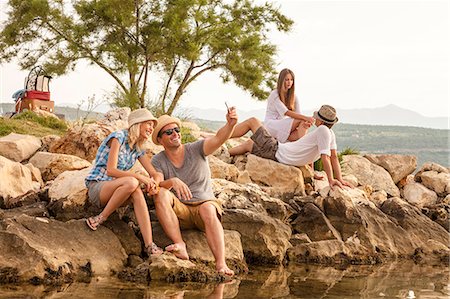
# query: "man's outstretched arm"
{"type": "Point", "coordinates": [211, 144]}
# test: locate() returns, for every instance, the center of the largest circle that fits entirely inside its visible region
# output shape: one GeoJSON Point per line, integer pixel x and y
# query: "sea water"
{"type": "Point", "coordinates": [394, 280]}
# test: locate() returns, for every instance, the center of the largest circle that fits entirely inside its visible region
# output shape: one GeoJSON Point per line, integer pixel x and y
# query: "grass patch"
{"type": "Point", "coordinates": [29, 123]}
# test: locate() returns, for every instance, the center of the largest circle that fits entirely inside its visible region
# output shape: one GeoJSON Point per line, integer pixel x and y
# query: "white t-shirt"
{"type": "Point", "coordinates": [308, 148]}
{"type": "Point", "coordinates": [276, 123]}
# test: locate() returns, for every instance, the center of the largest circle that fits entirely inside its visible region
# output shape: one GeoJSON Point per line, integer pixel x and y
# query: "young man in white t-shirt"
{"type": "Point", "coordinates": [321, 143]}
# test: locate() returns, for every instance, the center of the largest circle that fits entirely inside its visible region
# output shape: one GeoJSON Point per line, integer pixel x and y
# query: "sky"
{"type": "Point", "coordinates": [348, 54]}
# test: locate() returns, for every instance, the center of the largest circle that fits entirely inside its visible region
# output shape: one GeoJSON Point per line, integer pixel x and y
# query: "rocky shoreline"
{"type": "Point", "coordinates": [274, 214]}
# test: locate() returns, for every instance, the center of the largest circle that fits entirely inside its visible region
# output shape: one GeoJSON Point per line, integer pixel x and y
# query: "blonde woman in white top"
{"type": "Point", "coordinates": [283, 116]}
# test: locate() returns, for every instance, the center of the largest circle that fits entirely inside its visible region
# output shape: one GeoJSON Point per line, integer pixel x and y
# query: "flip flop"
{"type": "Point", "coordinates": [95, 221]}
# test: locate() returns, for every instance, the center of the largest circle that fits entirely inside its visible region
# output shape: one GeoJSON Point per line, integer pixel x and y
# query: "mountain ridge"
{"type": "Point", "coordinates": [390, 115]}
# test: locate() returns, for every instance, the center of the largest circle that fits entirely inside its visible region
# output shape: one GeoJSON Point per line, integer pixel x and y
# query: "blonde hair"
{"type": "Point", "coordinates": [287, 98]}
{"type": "Point", "coordinates": [134, 140]}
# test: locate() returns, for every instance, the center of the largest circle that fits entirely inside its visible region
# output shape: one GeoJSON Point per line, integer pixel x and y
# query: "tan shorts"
{"type": "Point", "coordinates": [264, 145]}
{"type": "Point", "coordinates": [189, 213]}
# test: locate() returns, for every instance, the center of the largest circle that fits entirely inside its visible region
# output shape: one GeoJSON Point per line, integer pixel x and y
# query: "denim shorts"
{"type": "Point", "coordinates": [94, 188]}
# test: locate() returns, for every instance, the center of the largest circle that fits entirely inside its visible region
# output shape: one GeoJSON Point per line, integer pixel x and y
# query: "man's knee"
{"type": "Point", "coordinates": [208, 213]}
{"type": "Point", "coordinates": [163, 198]}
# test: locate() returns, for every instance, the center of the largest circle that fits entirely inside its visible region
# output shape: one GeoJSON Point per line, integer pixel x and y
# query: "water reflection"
{"type": "Point", "coordinates": [398, 280]}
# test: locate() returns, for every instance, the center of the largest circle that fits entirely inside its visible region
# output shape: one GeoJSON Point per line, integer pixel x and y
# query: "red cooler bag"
{"type": "Point", "coordinates": [39, 95]}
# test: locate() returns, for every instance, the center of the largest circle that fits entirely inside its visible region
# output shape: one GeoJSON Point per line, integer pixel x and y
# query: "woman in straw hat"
{"type": "Point", "coordinates": [111, 184]}
{"type": "Point", "coordinates": [283, 119]}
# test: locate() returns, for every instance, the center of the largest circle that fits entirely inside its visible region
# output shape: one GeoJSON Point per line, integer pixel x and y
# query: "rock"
{"type": "Point", "coordinates": [68, 195]}
{"type": "Point", "coordinates": [51, 252]}
{"type": "Point", "coordinates": [261, 172]}
{"type": "Point", "coordinates": [264, 239]}
{"type": "Point", "coordinates": [378, 197]}
{"type": "Point", "coordinates": [193, 127]}
{"type": "Point", "coordinates": [51, 165]}
{"type": "Point", "coordinates": [244, 178]}
{"type": "Point", "coordinates": [16, 181]}
{"type": "Point", "coordinates": [222, 154]}
{"type": "Point", "coordinates": [169, 268]}
{"type": "Point", "coordinates": [312, 222]}
{"type": "Point", "coordinates": [365, 234]}
{"type": "Point", "coordinates": [18, 147]}
{"type": "Point", "coordinates": [297, 239]}
{"type": "Point", "coordinates": [418, 228]}
{"type": "Point", "coordinates": [222, 170]}
{"type": "Point", "coordinates": [432, 167]}
{"type": "Point", "coordinates": [198, 248]}
{"type": "Point", "coordinates": [398, 166]}
{"type": "Point", "coordinates": [250, 197]}
{"type": "Point", "coordinates": [47, 142]}
{"type": "Point", "coordinates": [418, 195]}
{"type": "Point", "coordinates": [83, 140]}
{"type": "Point", "coordinates": [240, 161]}
{"type": "Point", "coordinates": [130, 243]}
{"type": "Point", "coordinates": [368, 173]}
{"type": "Point", "coordinates": [439, 213]}
{"type": "Point", "coordinates": [439, 182]}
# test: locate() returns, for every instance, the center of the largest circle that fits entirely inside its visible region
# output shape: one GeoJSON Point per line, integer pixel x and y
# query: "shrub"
{"type": "Point", "coordinates": [186, 135]}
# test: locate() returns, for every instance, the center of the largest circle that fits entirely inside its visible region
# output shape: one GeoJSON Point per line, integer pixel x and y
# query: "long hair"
{"type": "Point", "coordinates": [134, 140]}
{"type": "Point", "coordinates": [287, 98]}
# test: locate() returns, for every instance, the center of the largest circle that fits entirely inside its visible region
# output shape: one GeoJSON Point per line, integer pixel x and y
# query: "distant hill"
{"type": "Point", "coordinates": [390, 115]}
{"type": "Point", "coordinates": [428, 145]}
{"type": "Point", "coordinates": [69, 113]}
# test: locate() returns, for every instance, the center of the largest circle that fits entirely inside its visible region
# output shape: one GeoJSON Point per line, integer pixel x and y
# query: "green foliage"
{"type": "Point", "coordinates": [29, 123]}
{"type": "Point", "coordinates": [186, 135]}
{"type": "Point", "coordinates": [318, 165]}
{"type": "Point", "coordinates": [180, 40]}
{"type": "Point", "coordinates": [49, 122]}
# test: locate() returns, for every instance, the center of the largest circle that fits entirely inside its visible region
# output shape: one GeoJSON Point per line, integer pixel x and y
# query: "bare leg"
{"type": "Point", "coordinates": [242, 128]}
{"type": "Point", "coordinates": [114, 193]}
{"type": "Point", "coordinates": [241, 148]}
{"type": "Point", "coordinates": [297, 130]}
{"type": "Point", "coordinates": [170, 224]}
{"type": "Point", "coordinates": [142, 216]}
{"type": "Point", "coordinates": [215, 237]}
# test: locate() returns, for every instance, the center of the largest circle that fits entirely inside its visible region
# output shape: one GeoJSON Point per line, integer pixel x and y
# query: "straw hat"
{"type": "Point", "coordinates": [327, 114]}
{"type": "Point", "coordinates": [139, 116]}
{"type": "Point", "coordinates": [163, 121]}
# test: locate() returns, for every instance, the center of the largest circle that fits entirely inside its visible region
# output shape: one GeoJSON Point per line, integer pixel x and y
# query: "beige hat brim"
{"type": "Point", "coordinates": [163, 121]}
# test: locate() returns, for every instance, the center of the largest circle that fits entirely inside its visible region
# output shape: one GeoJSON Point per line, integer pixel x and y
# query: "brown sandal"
{"type": "Point", "coordinates": [153, 249]}
{"type": "Point", "coordinates": [95, 221]}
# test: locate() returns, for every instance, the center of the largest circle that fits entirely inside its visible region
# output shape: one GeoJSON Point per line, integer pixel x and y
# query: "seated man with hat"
{"type": "Point", "coordinates": [321, 143]}
{"type": "Point", "coordinates": [183, 168]}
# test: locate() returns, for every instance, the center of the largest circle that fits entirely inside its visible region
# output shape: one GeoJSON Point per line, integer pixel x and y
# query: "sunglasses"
{"type": "Point", "coordinates": [169, 131]}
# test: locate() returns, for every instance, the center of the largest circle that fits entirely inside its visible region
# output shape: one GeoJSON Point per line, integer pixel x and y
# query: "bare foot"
{"type": "Point", "coordinates": [224, 270]}
{"type": "Point", "coordinates": [179, 250]}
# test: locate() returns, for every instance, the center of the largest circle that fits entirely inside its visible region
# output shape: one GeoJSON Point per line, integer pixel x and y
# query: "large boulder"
{"type": "Point", "coordinates": [419, 195]}
{"type": "Point", "coordinates": [198, 248]}
{"type": "Point", "coordinates": [398, 166]}
{"type": "Point", "coordinates": [222, 170]}
{"type": "Point", "coordinates": [83, 140]}
{"type": "Point", "coordinates": [68, 195]}
{"type": "Point", "coordinates": [266, 173]}
{"type": "Point", "coordinates": [349, 228]}
{"type": "Point", "coordinates": [250, 197]}
{"type": "Point", "coordinates": [48, 251]}
{"type": "Point", "coordinates": [264, 239]}
{"type": "Point", "coordinates": [439, 182]}
{"type": "Point", "coordinates": [51, 165]}
{"type": "Point", "coordinates": [18, 147]}
{"type": "Point", "coordinates": [17, 180]}
{"type": "Point", "coordinates": [368, 173]}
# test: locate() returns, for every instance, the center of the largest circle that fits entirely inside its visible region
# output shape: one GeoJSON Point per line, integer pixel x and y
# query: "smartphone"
{"type": "Point", "coordinates": [228, 109]}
